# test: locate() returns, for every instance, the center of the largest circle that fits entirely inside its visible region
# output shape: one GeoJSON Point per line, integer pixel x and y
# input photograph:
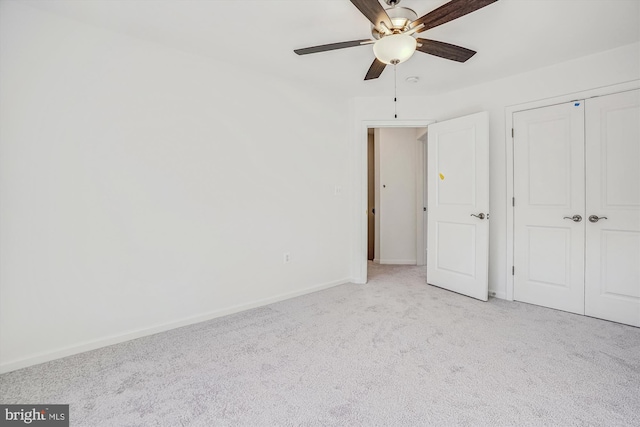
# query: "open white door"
{"type": "Point", "coordinates": [458, 205]}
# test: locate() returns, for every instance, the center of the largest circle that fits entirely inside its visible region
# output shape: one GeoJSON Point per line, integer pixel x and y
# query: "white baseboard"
{"type": "Point", "coordinates": [116, 339]}
{"type": "Point", "coordinates": [398, 261]}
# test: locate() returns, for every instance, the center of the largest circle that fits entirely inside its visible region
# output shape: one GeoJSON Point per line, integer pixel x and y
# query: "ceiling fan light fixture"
{"type": "Point", "coordinates": [395, 48]}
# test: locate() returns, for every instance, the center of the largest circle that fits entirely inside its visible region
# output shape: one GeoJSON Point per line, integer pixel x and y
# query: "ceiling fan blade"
{"type": "Point", "coordinates": [331, 46]}
{"type": "Point", "coordinates": [374, 12]}
{"type": "Point", "coordinates": [444, 50]}
{"type": "Point", "coordinates": [448, 12]}
{"type": "Point", "coordinates": [375, 70]}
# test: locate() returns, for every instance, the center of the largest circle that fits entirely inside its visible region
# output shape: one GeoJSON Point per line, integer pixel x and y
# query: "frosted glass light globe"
{"type": "Point", "coordinates": [396, 47]}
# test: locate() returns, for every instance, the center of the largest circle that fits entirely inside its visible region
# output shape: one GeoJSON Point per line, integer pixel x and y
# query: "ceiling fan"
{"type": "Point", "coordinates": [393, 30]}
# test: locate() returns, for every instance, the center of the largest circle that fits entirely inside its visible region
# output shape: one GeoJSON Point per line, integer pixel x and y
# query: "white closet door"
{"type": "Point", "coordinates": [613, 191]}
{"type": "Point", "coordinates": [549, 193]}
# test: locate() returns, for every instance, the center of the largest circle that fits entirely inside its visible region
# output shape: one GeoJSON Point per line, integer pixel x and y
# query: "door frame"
{"type": "Point", "coordinates": [421, 243]}
{"type": "Point", "coordinates": [359, 264]}
{"type": "Point", "coordinates": [509, 111]}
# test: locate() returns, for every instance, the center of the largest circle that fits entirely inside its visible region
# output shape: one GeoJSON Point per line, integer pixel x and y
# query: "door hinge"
{"type": "Point", "coordinates": [424, 209]}
{"type": "Point", "coordinates": [513, 201]}
{"type": "Point", "coordinates": [512, 133]}
{"type": "Point", "coordinates": [513, 270]}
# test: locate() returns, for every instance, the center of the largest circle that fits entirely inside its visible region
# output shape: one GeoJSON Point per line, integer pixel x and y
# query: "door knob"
{"type": "Point", "coordinates": [575, 218]}
{"type": "Point", "coordinates": [596, 218]}
{"type": "Point", "coordinates": [480, 215]}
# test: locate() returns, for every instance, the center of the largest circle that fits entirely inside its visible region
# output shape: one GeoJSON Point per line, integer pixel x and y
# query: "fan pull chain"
{"type": "Point", "coordinates": [395, 88]}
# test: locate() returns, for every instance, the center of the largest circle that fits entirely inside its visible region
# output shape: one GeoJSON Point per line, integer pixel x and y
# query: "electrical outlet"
{"type": "Point", "coordinates": [286, 258]}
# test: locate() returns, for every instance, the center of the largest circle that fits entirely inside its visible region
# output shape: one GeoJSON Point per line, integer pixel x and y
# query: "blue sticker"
{"type": "Point", "coordinates": [577, 104]}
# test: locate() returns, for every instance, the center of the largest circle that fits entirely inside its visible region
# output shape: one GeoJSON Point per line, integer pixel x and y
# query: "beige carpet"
{"type": "Point", "coordinates": [393, 352]}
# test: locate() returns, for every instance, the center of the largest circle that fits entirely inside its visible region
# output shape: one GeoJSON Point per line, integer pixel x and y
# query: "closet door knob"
{"type": "Point", "coordinates": [596, 218]}
{"type": "Point", "coordinates": [480, 215]}
{"type": "Point", "coordinates": [575, 218]}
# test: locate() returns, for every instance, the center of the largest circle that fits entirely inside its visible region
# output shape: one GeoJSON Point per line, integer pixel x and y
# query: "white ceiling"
{"type": "Point", "coordinates": [511, 36]}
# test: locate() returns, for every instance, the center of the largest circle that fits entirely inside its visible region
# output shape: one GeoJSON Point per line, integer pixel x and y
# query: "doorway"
{"type": "Point", "coordinates": [396, 187]}
{"type": "Point", "coordinates": [458, 202]}
{"type": "Point", "coordinates": [360, 201]}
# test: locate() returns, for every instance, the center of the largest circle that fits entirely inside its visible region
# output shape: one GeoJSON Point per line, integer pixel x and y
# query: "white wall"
{"type": "Point", "coordinates": [143, 188]}
{"type": "Point", "coordinates": [603, 69]}
{"type": "Point", "coordinates": [396, 212]}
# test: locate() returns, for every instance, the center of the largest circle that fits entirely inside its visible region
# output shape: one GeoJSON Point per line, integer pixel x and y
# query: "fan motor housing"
{"type": "Point", "coordinates": [401, 18]}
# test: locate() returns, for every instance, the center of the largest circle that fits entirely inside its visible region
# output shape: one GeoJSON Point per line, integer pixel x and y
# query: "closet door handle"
{"type": "Point", "coordinates": [575, 218]}
{"type": "Point", "coordinates": [596, 218]}
{"type": "Point", "coordinates": [481, 215]}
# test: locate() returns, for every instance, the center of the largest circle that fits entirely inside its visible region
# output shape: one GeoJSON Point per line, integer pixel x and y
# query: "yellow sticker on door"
{"type": "Point", "coordinates": [442, 177]}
